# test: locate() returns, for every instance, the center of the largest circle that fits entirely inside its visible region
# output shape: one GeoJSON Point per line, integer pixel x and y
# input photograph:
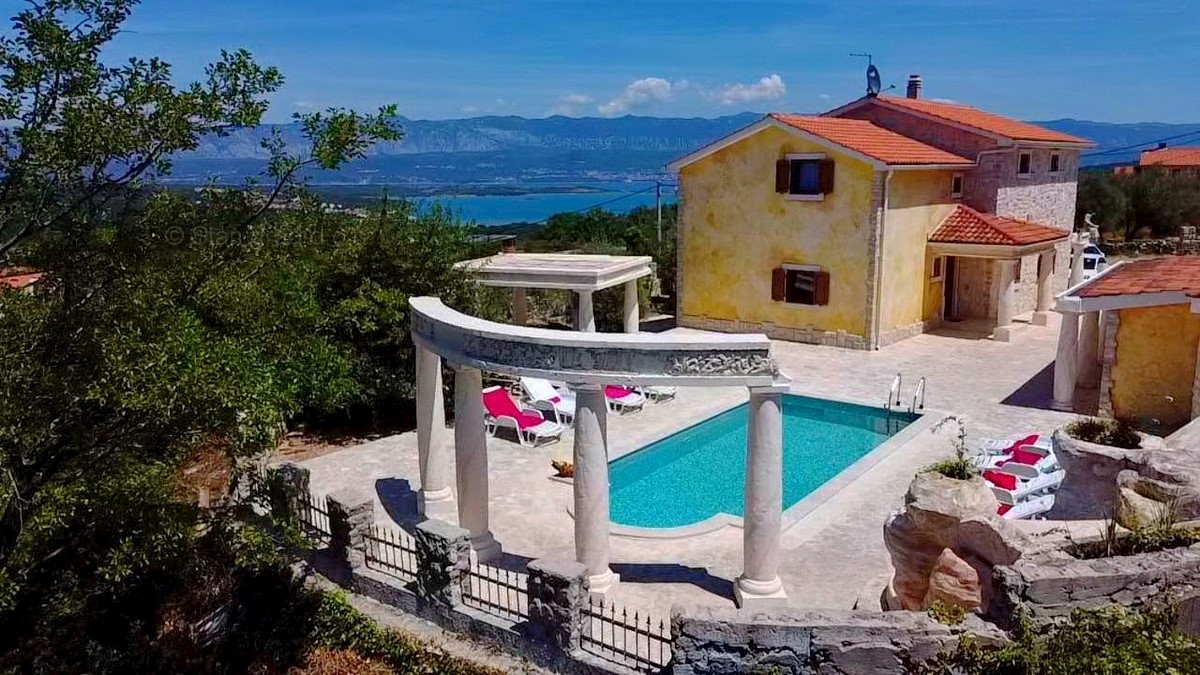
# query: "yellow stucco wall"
{"type": "Point", "coordinates": [737, 229]}
{"type": "Point", "coordinates": [1155, 359]}
{"type": "Point", "coordinates": [917, 203]}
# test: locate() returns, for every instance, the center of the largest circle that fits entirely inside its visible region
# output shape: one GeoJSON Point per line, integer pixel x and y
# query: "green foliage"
{"type": "Point", "coordinates": [959, 466]}
{"type": "Point", "coordinates": [946, 613]}
{"type": "Point", "coordinates": [1150, 203]}
{"type": "Point", "coordinates": [1107, 641]}
{"type": "Point", "coordinates": [1116, 433]}
{"type": "Point", "coordinates": [1161, 534]}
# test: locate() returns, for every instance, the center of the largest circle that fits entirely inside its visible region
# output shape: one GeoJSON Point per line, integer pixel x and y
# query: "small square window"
{"type": "Point", "coordinates": [936, 274]}
{"type": "Point", "coordinates": [807, 176]}
{"type": "Point", "coordinates": [1055, 161]}
{"type": "Point", "coordinates": [1024, 164]}
{"type": "Point", "coordinates": [800, 286]}
{"type": "Point", "coordinates": [956, 185]}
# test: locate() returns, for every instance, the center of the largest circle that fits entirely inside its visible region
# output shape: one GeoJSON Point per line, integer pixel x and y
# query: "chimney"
{"type": "Point", "coordinates": [914, 86]}
{"type": "Point", "coordinates": [1162, 145]}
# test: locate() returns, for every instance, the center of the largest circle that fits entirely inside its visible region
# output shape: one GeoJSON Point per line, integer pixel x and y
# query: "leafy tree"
{"type": "Point", "coordinates": [1151, 202]}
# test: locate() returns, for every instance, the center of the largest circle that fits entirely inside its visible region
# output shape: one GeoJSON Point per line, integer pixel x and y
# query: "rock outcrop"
{"type": "Point", "coordinates": [1139, 486]}
{"type": "Point", "coordinates": [946, 541]}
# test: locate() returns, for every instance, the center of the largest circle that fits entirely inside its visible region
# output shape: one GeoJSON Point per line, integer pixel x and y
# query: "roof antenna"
{"type": "Point", "coordinates": [872, 76]}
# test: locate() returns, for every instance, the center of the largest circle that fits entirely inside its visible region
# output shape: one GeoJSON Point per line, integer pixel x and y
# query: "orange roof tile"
{"type": "Point", "coordinates": [19, 281]}
{"type": "Point", "coordinates": [983, 121]}
{"type": "Point", "coordinates": [965, 225]}
{"type": "Point", "coordinates": [1154, 275]}
{"type": "Point", "coordinates": [865, 138]}
{"type": "Point", "coordinates": [1180, 156]}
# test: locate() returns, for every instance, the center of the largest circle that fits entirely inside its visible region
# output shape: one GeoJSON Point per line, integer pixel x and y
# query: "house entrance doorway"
{"type": "Point", "coordinates": [950, 290]}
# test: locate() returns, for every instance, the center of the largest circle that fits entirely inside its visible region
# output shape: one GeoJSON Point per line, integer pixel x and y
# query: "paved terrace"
{"type": "Point", "coordinates": [832, 558]}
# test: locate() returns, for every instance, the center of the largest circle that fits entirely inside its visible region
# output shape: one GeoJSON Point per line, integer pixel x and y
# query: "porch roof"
{"type": "Point", "coordinates": [573, 271]}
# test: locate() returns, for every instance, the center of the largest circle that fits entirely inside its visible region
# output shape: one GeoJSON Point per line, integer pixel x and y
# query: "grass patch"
{"type": "Point", "coordinates": [959, 468]}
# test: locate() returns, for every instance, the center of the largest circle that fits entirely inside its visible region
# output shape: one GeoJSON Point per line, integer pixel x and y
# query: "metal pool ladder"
{"type": "Point", "coordinates": [918, 400]}
{"type": "Point", "coordinates": [893, 397]}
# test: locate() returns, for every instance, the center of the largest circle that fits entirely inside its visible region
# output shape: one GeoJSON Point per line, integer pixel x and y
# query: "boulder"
{"type": "Point", "coordinates": [953, 581]}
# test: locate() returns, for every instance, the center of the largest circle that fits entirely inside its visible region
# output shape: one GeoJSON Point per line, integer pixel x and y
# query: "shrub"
{"type": "Point", "coordinates": [1116, 433]}
{"type": "Point", "coordinates": [1112, 640]}
{"type": "Point", "coordinates": [960, 466]}
{"type": "Point", "coordinates": [948, 614]}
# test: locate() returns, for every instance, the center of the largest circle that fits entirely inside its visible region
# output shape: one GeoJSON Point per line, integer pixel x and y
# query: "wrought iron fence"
{"type": "Point", "coordinates": [392, 551]}
{"type": "Point", "coordinates": [638, 641]}
{"type": "Point", "coordinates": [313, 512]}
{"type": "Point", "coordinates": [500, 592]}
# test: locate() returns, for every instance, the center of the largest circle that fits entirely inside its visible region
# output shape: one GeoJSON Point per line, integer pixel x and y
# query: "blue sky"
{"type": "Point", "coordinates": [1102, 60]}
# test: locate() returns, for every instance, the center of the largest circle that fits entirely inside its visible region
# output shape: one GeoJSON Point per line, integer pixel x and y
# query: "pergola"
{"type": "Point", "coordinates": [587, 362]}
{"type": "Point", "coordinates": [582, 273]}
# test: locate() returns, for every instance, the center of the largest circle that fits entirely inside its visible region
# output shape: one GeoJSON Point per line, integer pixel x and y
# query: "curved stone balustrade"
{"type": "Point", "coordinates": [592, 358]}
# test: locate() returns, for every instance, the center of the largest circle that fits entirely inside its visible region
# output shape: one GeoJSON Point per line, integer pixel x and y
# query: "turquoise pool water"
{"type": "Point", "coordinates": [699, 472]}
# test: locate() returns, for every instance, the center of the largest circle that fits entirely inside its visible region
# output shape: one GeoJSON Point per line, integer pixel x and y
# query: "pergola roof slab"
{"type": "Point", "coordinates": [699, 359]}
{"type": "Point", "coordinates": [570, 271]}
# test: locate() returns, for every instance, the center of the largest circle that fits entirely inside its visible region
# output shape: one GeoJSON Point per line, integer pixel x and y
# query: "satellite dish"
{"type": "Point", "coordinates": [872, 80]}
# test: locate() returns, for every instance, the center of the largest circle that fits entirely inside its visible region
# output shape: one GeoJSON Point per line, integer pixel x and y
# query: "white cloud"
{"type": "Point", "coordinates": [570, 104]}
{"type": "Point", "coordinates": [769, 87]}
{"type": "Point", "coordinates": [824, 97]}
{"type": "Point", "coordinates": [639, 94]}
{"type": "Point", "coordinates": [470, 109]}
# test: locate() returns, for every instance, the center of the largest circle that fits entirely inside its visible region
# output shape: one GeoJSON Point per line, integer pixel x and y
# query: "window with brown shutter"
{"type": "Point", "coordinates": [800, 287]}
{"type": "Point", "coordinates": [807, 176]}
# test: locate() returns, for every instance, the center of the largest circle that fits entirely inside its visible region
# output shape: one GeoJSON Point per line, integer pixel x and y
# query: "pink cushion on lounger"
{"type": "Point", "coordinates": [1001, 479]}
{"type": "Point", "coordinates": [500, 404]}
{"type": "Point", "coordinates": [1025, 457]}
{"type": "Point", "coordinates": [1004, 508]}
{"type": "Point", "coordinates": [1028, 440]}
{"type": "Point", "coordinates": [613, 391]}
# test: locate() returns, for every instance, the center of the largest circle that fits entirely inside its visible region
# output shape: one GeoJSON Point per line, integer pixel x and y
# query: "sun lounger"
{"type": "Point", "coordinates": [1005, 446]}
{"type": "Point", "coordinates": [658, 393]}
{"type": "Point", "coordinates": [529, 424]}
{"type": "Point", "coordinates": [543, 396]}
{"type": "Point", "coordinates": [1022, 487]}
{"type": "Point", "coordinates": [1014, 509]}
{"type": "Point", "coordinates": [622, 399]}
{"type": "Point", "coordinates": [1026, 460]}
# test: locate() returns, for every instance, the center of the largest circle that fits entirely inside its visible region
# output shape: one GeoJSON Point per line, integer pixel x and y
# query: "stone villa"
{"type": "Point", "coordinates": [874, 222]}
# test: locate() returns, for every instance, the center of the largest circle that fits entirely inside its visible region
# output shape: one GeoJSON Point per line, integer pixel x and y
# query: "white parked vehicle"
{"type": "Point", "coordinates": [1093, 261]}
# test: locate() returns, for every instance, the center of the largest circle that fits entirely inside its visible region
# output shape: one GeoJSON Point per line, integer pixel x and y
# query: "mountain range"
{"type": "Point", "coordinates": [516, 151]}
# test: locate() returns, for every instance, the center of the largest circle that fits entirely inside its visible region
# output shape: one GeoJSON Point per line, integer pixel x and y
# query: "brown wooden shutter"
{"type": "Point", "coordinates": [779, 284]}
{"type": "Point", "coordinates": [783, 176]}
{"type": "Point", "coordinates": [825, 175]}
{"type": "Point", "coordinates": [821, 288]}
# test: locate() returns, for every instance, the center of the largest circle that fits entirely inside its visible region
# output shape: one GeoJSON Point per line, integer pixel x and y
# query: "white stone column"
{"type": "Point", "coordinates": [1196, 387]}
{"type": "Point", "coordinates": [585, 319]}
{"type": "Point", "coordinates": [471, 462]}
{"type": "Point", "coordinates": [433, 450]}
{"type": "Point", "coordinates": [520, 307]}
{"type": "Point", "coordinates": [631, 306]}
{"type": "Point", "coordinates": [1045, 287]}
{"type": "Point", "coordinates": [1078, 243]}
{"type": "Point", "coordinates": [1066, 362]}
{"type": "Point", "coordinates": [1006, 298]}
{"type": "Point", "coordinates": [1088, 371]}
{"type": "Point", "coordinates": [760, 585]}
{"type": "Point", "coordinates": [591, 487]}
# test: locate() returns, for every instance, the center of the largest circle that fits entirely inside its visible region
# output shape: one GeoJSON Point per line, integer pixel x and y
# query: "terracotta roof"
{"type": "Point", "coordinates": [878, 143]}
{"type": "Point", "coordinates": [1180, 156]}
{"type": "Point", "coordinates": [983, 121]}
{"type": "Point", "coordinates": [1154, 275]}
{"type": "Point", "coordinates": [965, 225]}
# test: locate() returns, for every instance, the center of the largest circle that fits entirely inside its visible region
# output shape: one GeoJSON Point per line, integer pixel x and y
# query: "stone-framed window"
{"type": "Point", "coordinates": [804, 176]}
{"type": "Point", "coordinates": [1025, 163]}
{"type": "Point", "coordinates": [956, 186]}
{"type": "Point", "coordinates": [800, 285]}
{"type": "Point", "coordinates": [1055, 162]}
{"type": "Point", "coordinates": [937, 270]}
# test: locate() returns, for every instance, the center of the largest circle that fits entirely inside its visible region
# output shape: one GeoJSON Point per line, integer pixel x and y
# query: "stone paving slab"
{"type": "Point", "coordinates": [832, 558]}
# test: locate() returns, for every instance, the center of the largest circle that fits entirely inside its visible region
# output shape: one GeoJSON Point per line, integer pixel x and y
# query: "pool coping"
{"type": "Point", "coordinates": [926, 420]}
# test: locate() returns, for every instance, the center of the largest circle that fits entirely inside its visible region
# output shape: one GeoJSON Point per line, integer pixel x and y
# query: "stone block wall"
{"type": "Point", "coordinates": [807, 335]}
{"type": "Point", "coordinates": [721, 640]}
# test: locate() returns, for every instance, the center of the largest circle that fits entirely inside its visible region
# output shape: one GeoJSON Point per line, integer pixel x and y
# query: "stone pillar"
{"type": "Point", "coordinates": [1006, 298]}
{"type": "Point", "coordinates": [295, 480]}
{"type": "Point", "coordinates": [760, 585]}
{"type": "Point", "coordinates": [1195, 386]}
{"type": "Point", "coordinates": [1045, 287]}
{"type": "Point", "coordinates": [1078, 243]}
{"type": "Point", "coordinates": [557, 595]}
{"type": "Point", "coordinates": [1088, 370]}
{"type": "Point", "coordinates": [591, 487]}
{"type": "Point", "coordinates": [471, 461]}
{"type": "Point", "coordinates": [631, 306]}
{"type": "Point", "coordinates": [585, 317]}
{"type": "Point", "coordinates": [1066, 362]}
{"type": "Point", "coordinates": [433, 452]}
{"type": "Point", "coordinates": [350, 519]}
{"type": "Point", "coordinates": [443, 560]}
{"type": "Point", "coordinates": [520, 307]}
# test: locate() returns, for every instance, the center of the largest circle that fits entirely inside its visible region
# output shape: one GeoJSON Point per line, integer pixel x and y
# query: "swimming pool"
{"type": "Point", "coordinates": [699, 472]}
